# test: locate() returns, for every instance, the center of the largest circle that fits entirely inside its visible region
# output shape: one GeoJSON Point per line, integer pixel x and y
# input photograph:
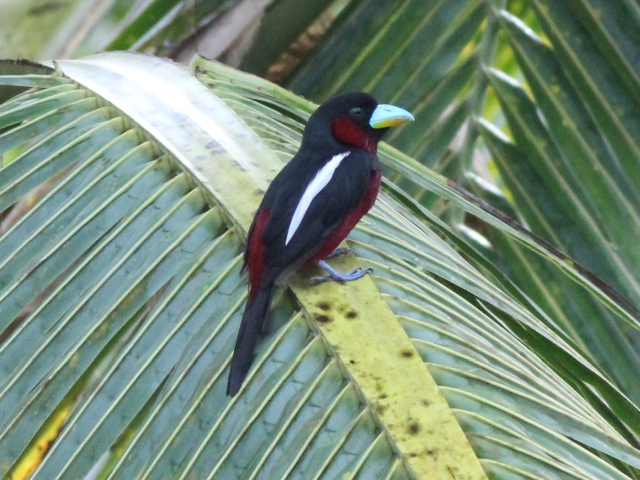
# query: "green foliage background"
{"type": "Point", "coordinates": [532, 106]}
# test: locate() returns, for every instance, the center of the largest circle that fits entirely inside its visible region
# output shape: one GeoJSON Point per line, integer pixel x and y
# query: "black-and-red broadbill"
{"type": "Point", "coordinates": [312, 205]}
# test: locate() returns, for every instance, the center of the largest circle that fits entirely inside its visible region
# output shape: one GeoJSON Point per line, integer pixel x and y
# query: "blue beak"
{"type": "Point", "coordinates": [385, 116]}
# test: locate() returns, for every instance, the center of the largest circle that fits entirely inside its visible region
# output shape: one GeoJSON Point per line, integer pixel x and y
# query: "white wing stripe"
{"type": "Point", "coordinates": [322, 178]}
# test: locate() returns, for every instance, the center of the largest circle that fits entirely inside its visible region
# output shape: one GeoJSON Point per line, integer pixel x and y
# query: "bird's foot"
{"type": "Point", "coordinates": [338, 252]}
{"type": "Point", "coordinates": [336, 276]}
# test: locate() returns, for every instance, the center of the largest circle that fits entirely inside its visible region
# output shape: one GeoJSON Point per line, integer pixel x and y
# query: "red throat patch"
{"type": "Point", "coordinates": [347, 131]}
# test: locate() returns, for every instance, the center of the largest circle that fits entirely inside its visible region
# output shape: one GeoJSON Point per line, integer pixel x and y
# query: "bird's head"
{"type": "Point", "coordinates": [353, 119]}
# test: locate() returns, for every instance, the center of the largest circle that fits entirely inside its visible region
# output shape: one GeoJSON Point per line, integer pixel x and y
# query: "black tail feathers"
{"type": "Point", "coordinates": [253, 318]}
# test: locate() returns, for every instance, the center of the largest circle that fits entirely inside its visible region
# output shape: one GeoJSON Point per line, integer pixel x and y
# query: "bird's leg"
{"type": "Point", "coordinates": [336, 276]}
{"type": "Point", "coordinates": [338, 252]}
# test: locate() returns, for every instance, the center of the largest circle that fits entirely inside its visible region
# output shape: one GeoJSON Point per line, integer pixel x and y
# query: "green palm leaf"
{"type": "Point", "coordinates": [548, 99]}
{"type": "Point", "coordinates": [121, 299]}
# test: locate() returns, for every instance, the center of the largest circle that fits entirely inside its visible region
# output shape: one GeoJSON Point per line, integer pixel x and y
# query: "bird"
{"type": "Point", "coordinates": [311, 206]}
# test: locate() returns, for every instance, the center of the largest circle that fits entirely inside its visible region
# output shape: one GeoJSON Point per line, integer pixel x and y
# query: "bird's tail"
{"type": "Point", "coordinates": [253, 318]}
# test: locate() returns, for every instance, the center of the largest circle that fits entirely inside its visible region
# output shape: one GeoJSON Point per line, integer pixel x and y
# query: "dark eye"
{"type": "Point", "coordinates": [356, 112]}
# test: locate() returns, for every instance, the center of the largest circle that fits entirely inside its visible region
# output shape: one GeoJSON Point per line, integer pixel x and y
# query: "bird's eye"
{"type": "Point", "coordinates": [357, 112]}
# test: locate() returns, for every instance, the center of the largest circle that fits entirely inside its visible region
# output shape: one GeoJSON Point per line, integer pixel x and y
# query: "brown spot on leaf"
{"type": "Point", "coordinates": [414, 428]}
{"type": "Point", "coordinates": [351, 314]}
{"type": "Point", "coordinates": [47, 7]}
{"type": "Point", "coordinates": [406, 353]}
{"type": "Point", "coordinates": [323, 319]}
{"type": "Point", "coordinates": [324, 306]}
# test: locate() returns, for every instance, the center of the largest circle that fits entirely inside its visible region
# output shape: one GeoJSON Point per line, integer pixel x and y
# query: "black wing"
{"type": "Point", "coordinates": [328, 209]}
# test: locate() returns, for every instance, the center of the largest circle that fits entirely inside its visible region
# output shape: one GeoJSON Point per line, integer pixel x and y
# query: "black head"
{"type": "Point", "coordinates": [347, 120]}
